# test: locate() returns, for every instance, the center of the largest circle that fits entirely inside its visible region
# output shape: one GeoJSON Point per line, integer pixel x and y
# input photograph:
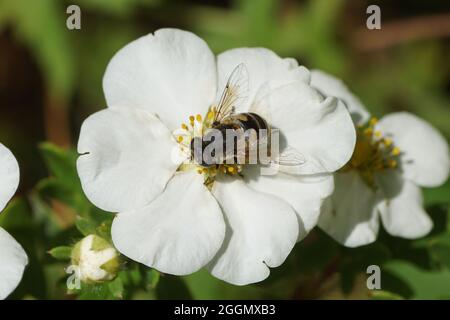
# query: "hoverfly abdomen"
{"type": "Point", "coordinates": [250, 120]}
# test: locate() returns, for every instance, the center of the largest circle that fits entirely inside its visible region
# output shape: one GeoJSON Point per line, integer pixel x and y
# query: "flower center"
{"type": "Point", "coordinates": [196, 128]}
{"type": "Point", "coordinates": [373, 153]}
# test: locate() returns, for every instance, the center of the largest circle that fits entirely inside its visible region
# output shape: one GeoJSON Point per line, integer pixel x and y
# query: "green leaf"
{"type": "Point", "coordinates": [437, 195]}
{"type": "Point", "coordinates": [202, 285]}
{"type": "Point", "coordinates": [385, 295]}
{"type": "Point", "coordinates": [116, 288]}
{"type": "Point", "coordinates": [172, 287]}
{"type": "Point", "coordinates": [85, 226]}
{"type": "Point", "coordinates": [152, 278]}
{"type": "Point", "coordinates": [61, 253]}
{"type": "Point", "coordinates": [16, 215]}
{"type": "Point", "coordinates": [424, 284]}
{"type": "Point", "coordinates": [41, 25]}
{"type": "Point", "coordinates": [61, 163]}
{"type": "Point", "coordinates": [100, 291]}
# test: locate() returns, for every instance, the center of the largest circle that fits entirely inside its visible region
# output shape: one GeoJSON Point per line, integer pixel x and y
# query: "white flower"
{"type": "Point", "coordinates": [96, 259]}
{"type": "Point", "coordinates": [13, 258]}
{"type": "Point", "coordinates": [393, 158]}
{"type": "Point", "coordinates": [168, 218]}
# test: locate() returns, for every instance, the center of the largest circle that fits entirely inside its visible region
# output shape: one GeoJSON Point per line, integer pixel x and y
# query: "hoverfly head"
{"type": "Point", "coordinates": [198, 154]}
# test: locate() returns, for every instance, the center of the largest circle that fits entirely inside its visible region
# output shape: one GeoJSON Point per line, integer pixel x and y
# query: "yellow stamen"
{"type": "Point", "coordinates": [199, 171]}
{"type": "Point", "coordinates": [368, 131]}
{"type": "Point", "coordinates": [393, 163]}
{"type": "Point", "coordinates": [184, 126]}
{"type": "Point", "coordinates": [395, 151]}
{"type": "Point", "coordinates": [199, 118]}
{"type": "Point", "coordinates": [373, 152]}
{"type": "Point", "coordinates": [210, 115]}
{"type": "Point", "coordinates": [231, 169]}
{"type": "Point", "coordinates": [180, 138]}
{"type": "Point", "coordinates": [373, 121]}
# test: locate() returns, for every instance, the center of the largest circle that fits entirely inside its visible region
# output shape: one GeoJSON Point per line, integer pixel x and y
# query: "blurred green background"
{"type": "Point", "coordinates": [51, 80]}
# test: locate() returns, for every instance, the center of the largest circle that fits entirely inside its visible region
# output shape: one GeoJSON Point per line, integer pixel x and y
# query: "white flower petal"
{"type": "Point", "coordinates": [13, 260]}
{"type": "Point", "coordinates": [321, 130]}
{"type": "Point", "coordinates": [350, 216]}
{"type": "Point", "coordinates": [126, 158]}
{"type": "Point", "coordinates": [304, 193]}
{"type": "Point", "coordinates": [402, 212]}
{"type": "Point", "coordinates": [331, 86]}
{"type": "Point", "coordinates": [9, 176]}
{"type": "Point", "coordinates": [425, 153]}
{"type": "Point", "coordinates": [178, 233]}
{"type": "Point", "coordinates": [264, 67]}
{"type": "Point", "coordinates": [171, 73]}
{"type": "Point", "coordinates": [261, 232]}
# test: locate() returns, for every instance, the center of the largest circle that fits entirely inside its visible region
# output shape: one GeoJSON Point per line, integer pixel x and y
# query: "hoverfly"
{"type": "Point", "coordinates": [250, 130]}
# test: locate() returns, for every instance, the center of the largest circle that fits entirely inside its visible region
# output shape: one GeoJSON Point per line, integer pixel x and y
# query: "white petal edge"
{"type": "Point", "coordinates": [13, 261]}
{"type": "Point", "coordinates": [178, 233]}
{"type": "Point", "coordinates": [305, 194]}
{"type": "Point", "coordinates": [171, 73]}
{"type": "Point", "coordinates": [329, 85]}
{"type": "Point", "coordinates": [9, 176]}
{"type": "Point", "coordinates": [126, 158]}
{"type": "Point", "coordinates": [321, 130]}
{"type": "Point", "coordinates": [261, 232]}
{"type": "Point", "coordinates": [425, 153]}
{"type": "Point", "coordinates": [350, 215]}
{"type": "Point", "coordinates": [402, 212]}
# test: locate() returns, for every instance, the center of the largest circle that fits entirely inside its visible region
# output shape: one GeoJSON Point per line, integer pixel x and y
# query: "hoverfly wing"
{"type": "Point", "coordinates": [234, 94]}
{"type": "Point", "coordinates": [261, 103]}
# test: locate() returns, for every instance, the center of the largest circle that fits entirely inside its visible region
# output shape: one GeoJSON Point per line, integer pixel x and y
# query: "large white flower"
{"type": "Point", "coordinates": [168, 219]}
{"type": "Point", "coordinates": [393, 158]}
{"type": "Point", "coordinates": [13, 258]}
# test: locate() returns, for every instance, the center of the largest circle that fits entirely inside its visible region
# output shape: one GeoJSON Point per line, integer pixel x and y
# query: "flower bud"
{"type": "Point", "coordinates": [96, 259]}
